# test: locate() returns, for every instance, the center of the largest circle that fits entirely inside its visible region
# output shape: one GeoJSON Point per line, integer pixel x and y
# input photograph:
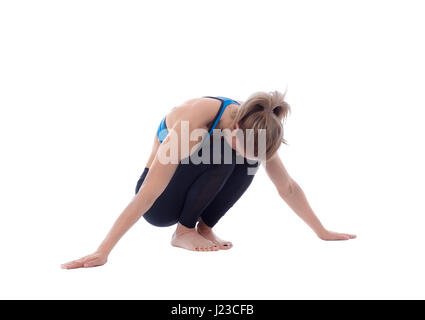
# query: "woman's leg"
{"type": "Point", "coordinates": [235, 186]}
{"type": "Point", "coordinates": [203, 191]}
{"type": "Point", "coordinates": [190, 190]}
{"type": "Point", "coordinates": [167, 208]}
{"type": "Point", "coordinates": [199, 195]}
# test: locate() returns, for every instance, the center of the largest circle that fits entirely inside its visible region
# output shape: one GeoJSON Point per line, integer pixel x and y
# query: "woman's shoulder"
{"type": "Point", "coordinates": [199, 110]}
{"type": "Point", "coordinates": [205, 102]}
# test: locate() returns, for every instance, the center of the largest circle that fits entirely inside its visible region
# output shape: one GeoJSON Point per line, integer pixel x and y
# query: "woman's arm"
{"type": "Point", "coordinates": [158, 177]}
{"type": "Point", "coordinates": [294, 196]}
{"type": "Point", "coordinates": [134, 210]}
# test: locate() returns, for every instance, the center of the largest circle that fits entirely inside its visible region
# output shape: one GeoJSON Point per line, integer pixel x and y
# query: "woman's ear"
{"type": "Point", "coordinates": [235, 128]}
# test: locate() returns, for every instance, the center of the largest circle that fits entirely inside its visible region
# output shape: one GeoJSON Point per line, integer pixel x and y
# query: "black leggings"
{"type": "Point", "coordinates": [204, 191]}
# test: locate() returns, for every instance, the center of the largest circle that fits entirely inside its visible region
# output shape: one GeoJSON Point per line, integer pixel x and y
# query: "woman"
{"type": "Point", "coordinates": [190, 181]}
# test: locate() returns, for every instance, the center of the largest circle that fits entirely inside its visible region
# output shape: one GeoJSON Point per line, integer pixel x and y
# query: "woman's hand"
{"type": "Point", "coordinates": [92, 260]}
{"type": "Point", "coordinates": [332, 236]}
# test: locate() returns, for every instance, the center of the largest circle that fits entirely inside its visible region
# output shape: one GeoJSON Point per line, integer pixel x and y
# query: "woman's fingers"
{"type": "Point", "coordinates": [92, 260]}
{"type": "Point", "coordinates": [72, 265]}
{"type": "Point", "coordinates": [345, 236]}
{"type": "Point", "coordinates": [76, 263]}
{"type": "Point", "coordinates": [341, 236]}
{"type": "Point", "coordinates": [333, 236]}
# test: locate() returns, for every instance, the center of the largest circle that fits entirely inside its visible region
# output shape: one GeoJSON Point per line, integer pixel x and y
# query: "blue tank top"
{"type": "Point", "coordinates": [224, 103]}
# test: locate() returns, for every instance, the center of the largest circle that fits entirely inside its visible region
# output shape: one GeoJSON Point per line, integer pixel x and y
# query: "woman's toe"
{"type": "Point", "coordinates": [224, 246]}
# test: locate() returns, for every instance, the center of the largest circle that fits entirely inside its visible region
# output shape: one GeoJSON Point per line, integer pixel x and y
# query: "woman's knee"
{"type": "Point", "coordinates": [159, 220]}
{"type": "Point", "coordinates": [141, 179]}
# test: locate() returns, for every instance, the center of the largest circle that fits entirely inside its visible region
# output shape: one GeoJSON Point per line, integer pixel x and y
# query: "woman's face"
{"type": "Point", "coordinates": [239, 147]}
{"type": "Point", "coordinates": [236, 140]}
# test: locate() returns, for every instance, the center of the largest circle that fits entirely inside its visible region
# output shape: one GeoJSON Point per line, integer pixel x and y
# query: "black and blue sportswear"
{"type": "Point", "coordinates": [201, 191]}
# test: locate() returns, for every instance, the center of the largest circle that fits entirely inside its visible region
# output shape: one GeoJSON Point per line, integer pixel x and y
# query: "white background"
{"type": "Point", "coordinates": [84, 84]}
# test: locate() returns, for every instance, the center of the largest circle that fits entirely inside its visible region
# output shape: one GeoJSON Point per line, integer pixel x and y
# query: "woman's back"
{"type": "Point", "coordinates": [201, 111]}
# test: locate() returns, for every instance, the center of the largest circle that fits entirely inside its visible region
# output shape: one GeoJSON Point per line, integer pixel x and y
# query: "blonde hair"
{"type": "Point", "coordinates": [264, 110]}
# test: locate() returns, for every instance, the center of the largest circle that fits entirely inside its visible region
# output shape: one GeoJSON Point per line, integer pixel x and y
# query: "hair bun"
{"type": "Point", "coordinates": [254, 114]}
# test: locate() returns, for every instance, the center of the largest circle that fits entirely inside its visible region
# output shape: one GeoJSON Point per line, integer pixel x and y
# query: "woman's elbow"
{"type": "Point", "coordinates": [287, 189]}
{"type": "Point", "coordinates": [145, 198]}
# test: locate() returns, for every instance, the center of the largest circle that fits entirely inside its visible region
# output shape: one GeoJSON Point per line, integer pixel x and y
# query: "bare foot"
{"type": "Point", "coordinates": [189, 239]}
{"type": "Point", "coordinates": [208, 234]}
